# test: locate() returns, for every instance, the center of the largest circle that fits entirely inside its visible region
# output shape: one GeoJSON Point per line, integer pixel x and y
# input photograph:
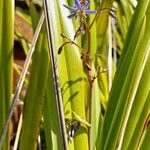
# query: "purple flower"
{"type": "Point", "coordinates": [80, 10]}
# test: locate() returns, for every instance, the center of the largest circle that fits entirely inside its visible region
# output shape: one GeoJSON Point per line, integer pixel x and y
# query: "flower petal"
{"type": "Point", "coordinates": [72, 15]}
{"type": "Point", "coordinates": [86, 6]}
{"type": "Point", "coordinates": [70, 8]}
{"type": "Point", "coordinates": [77, 3]}
{"type": "Point", "coordinates": [90, 11]}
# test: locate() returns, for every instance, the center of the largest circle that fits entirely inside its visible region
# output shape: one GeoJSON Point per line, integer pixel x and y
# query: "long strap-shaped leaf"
{"type": "Point", "coordinates": [21, 79]}
{"type": "Point", "coordinates": [55, 76]}
{"type": "Point", "coordinates": [126, 79]}
{"type": "Point", "coordinates": [6, 59]}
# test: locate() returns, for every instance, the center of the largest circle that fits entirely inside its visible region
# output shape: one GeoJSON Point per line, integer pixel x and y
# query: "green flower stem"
{"type": "Point", "coordinates": [90, 79]}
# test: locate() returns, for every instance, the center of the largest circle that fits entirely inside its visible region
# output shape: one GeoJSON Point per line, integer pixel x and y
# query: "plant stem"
{"type": "Point", "coordinates": [90, 76]}
{"type": "Point", "coordinates": [90, 110]}
{"type": "Point", "coordinates": [88, 40]}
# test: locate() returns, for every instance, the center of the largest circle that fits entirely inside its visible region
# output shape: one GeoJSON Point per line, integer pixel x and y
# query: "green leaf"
{"type": "Point", "coordinates": [140, 111]}
{"type": "Point", "coordinates": [50, 114]}
{"type": "Point", "coordinates": [6, 61]}
{"type": "Point", "coordinates": [75, 76]}
{"type": "Point", "coordinates": [35, 97]}
{"type": "Point", "coordinates": [141, 94]}
{"type": "Point", "coordinates": [146, 139]}
{"type": "Point", "coordinates": [123, 91]}
{"type": "Point", "coordinates": [102, 22]}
